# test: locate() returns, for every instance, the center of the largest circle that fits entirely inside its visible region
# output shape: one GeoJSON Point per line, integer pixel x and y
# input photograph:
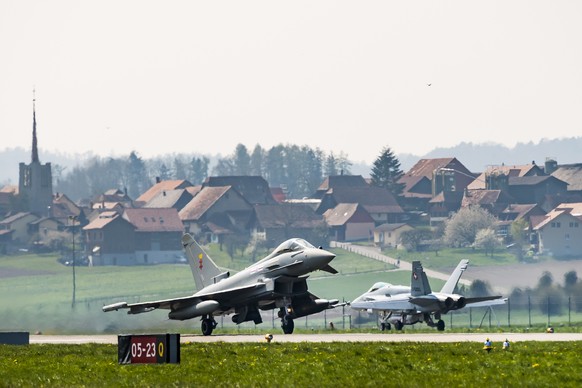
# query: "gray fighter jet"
{"type": "Point", "coordinates": [279, 281]}
{"type": "Point", "coordinates": [402, 305]}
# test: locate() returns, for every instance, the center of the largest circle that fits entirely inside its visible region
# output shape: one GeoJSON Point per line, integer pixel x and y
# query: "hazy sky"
{"type": "Point", "coordinates": [352, 76]}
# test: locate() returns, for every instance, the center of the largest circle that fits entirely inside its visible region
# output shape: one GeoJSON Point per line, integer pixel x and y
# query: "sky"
{"type": "Point", "coordinates": [189, 76]}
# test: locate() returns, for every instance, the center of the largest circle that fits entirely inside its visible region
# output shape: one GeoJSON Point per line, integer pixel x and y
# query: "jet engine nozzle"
{"type": "Point", "coordinates": [460, 303]}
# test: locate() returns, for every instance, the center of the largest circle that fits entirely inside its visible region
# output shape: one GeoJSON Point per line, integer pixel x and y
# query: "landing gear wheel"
{"type": "Point", "coordinates": [441, 325]}
{"type": "Point", "coordinates": [398, 325]}
{"type": "Point", "coordinates": [287, 325]}
{"type": "Point", "coordinates": [207, 326]}
{"type": "Point", "coordinates": [385, 326]}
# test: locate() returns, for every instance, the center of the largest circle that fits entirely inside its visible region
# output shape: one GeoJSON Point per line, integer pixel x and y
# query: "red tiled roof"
{"type": "Point", "coordinates": [202, 202]}
{"type": "Point", "coordinates": [163, 185]}
{"type": "Point", "coordinates": [154, 219]}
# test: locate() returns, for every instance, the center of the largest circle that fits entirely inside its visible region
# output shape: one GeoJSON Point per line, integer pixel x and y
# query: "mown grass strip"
{"type": "Point", "coordinates": [300, 364]}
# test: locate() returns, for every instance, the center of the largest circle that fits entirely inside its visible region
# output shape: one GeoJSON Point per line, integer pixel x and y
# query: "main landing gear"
{"type": "Point", "coordinates": [208, 324]}
{"type": "Point", "coordinates": [287, 323]}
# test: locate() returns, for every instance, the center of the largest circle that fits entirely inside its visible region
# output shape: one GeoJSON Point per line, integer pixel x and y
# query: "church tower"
{"type": "Point", "coordinates": [36, 183]}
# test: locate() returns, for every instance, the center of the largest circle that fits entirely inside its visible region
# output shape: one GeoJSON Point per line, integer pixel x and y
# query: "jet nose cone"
{"type": "Point", "coordinates": [326, 255]}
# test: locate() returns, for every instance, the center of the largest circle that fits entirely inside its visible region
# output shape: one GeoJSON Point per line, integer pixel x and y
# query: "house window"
{"type": "Point", "coordinates": [573, 224]}
{"type": "Point", "coordinates": [557, 224]}
{"type": "Point", "coordinates": [567, 235]}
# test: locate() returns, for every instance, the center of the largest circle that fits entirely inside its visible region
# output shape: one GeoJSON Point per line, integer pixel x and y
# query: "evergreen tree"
{"type": "Point", "coordinates": [386, 172]}
{"type": "Point", "coordinates": [241, 160]}
{"type": "Point", "coordinates": [257, 164]}
{"type": "Point", "coordinates": [138, 181]}
{"type": "Point", "coordinates": [330, 165]}
{"type": "Point", "coordinates": [198, 170]}
{"type": "Point", "coordinates": [276, 171]}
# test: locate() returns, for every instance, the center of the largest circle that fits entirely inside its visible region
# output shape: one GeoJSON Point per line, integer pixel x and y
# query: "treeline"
{"type": "Point", "coordinates": [298, 169]}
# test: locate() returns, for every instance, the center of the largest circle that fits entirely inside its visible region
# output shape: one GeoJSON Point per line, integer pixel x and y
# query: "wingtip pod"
{"type": "Point", "coordinates": [115, 306]}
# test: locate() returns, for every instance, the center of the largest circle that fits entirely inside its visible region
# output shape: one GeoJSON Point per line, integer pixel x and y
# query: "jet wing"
{"type": "Point", "coordinates": [385, 304]}
{"type": "Point", "coordinates": [144, 307]}
{"type": "Point", "coordinates": [178, 303]}
{"type": "Point", "coordinates": [485, 301]}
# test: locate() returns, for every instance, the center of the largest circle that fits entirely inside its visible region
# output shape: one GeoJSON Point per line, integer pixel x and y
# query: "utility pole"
{"type": "Point", "coordinates": [74, 221]}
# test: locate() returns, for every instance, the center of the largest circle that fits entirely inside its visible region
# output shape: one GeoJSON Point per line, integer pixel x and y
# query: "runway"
{"type": "Point", "coordinates": [344, 337]}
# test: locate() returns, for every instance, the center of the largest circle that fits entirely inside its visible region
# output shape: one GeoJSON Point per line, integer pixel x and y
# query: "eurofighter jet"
{"type": "Point", "coordinates": [279, 281]}
{"type": "Point", "coordinates": [403, 305]}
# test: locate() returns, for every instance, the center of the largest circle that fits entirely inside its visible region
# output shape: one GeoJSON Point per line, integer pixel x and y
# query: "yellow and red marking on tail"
{"type": "Point", "coordinates": [200, 256]}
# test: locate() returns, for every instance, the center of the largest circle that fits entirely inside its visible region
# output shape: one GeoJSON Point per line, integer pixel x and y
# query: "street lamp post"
{"type": "Point", "coordinates": [74, 220]}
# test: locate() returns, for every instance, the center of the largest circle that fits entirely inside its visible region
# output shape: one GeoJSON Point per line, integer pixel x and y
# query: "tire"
{"type": "Point", "coordinates": [398, 325]}
{"type": "Point", "coordinates": [287, 325]}
{"type": "Point", "coordinates": [207, 327]}
{"type": "Point", "coordinates": [441, 325]}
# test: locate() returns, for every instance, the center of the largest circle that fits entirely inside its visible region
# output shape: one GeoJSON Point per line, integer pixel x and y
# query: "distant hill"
{"type": "Point", "coordinates": [476, 157]}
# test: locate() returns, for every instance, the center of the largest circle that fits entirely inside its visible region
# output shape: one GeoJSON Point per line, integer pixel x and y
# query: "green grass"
{"type": "Point", "coordinates": [412, 364]}
{"type": "Point", "coordinates": [40, 299]}
{"type": "Point", "coordinates": [449, 258]}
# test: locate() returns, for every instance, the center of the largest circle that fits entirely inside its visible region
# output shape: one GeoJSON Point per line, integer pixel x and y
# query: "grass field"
{"type": "Point", "coordinates": [37, 294]}
{"type": "Point", "coordinates": [463, 364]}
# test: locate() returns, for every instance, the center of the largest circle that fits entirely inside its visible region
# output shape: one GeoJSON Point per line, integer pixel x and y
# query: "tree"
{"type": "Point", "coordinates": [241, 160]}
{"type": "Point", "coordinates": [570, 280]}
{"type": "Point", "coordinates": [180, 168]}
{"type": "Point", "coordinates": [275, 166]}
{"type": "Point", "coordinates": [487, 240]}
{"type": "Point", "coordinates": [257, 163]}
{"type": "Point", "coordinates": [461, 229]}
{"type": "Point", "coordinates": [546, 280]}
{"type": "Point", "coordinates": [479, 288]}
{"type": "Point", "coordinates": [199, 170]}
{"type": "Point", "coordinates": [386, 172]}
{"type": "Point", "coordinates": [330, 165]}
{"type": "Point", "coordinates": [411, 239]}
{"type": "Point", "coordinates": [138, 180]}
{"type": "Point", "coordinates": [343, 164]}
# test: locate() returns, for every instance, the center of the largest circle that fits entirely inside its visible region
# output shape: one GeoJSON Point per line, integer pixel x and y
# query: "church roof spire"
{"type": "Point", "coordinates": [34, 141]}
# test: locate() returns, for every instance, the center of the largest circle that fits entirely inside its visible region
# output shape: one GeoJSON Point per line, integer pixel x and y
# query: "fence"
{"type": "Point", "coordinates": [526, 312]}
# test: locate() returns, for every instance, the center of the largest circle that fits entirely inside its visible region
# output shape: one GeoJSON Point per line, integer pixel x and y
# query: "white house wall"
{"type": "Point", "coordinates": [564, 239]}
{"type": "Point", "coordinates": [359, 231]}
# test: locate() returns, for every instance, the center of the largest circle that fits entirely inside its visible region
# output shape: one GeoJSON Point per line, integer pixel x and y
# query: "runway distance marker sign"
{"type": "Point", "coordinates": [148, 348]}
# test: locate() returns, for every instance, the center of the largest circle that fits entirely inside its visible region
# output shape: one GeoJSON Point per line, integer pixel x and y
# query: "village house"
{"type": "Point", "coordinates": [349, 222]}
{"type": "Point", "coordinates": [390, 235]}
{"type": "Point", "coordinates": [216, 212]}
{"type": "Point", "coordinates": [560, 231]}
{"type": "Point", "coordinates": [276, 223]}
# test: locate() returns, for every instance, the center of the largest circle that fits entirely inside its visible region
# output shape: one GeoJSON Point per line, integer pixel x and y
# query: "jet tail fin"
{"type": "Point", "coordinates": [419, 282]}
{"type": "Point", "coordinates": [451, 283]}
{"type": "Point", "coordinates": [204, 270]}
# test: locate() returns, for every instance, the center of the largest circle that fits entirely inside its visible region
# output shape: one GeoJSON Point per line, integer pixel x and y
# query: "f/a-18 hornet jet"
{"type": "Point", "coordinates": [279, 281]}
{"type": "Point", "coordinates": [403, 305]}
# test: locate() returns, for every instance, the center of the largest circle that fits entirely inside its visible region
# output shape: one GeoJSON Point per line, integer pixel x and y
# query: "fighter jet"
{"type": "Point", "coordinates": [279, 281]}
{"type": "Point", "coordinates": [403, 305]}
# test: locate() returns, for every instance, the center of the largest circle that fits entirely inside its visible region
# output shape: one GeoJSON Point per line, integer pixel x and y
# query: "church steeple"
{"type": "Point", "coordinates": [34, 141]}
